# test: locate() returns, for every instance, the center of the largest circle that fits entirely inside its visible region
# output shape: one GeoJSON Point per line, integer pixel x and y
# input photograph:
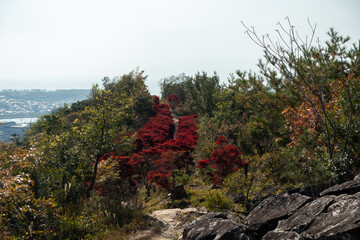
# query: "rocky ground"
{"type": "Point", "coordinates": [169, 223]}
{"type": "Point", "coordinates": [332, 214]}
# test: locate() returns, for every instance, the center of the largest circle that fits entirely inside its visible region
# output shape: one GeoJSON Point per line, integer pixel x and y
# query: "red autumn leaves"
{"type": "Point", "coordinates": [159, 152]}
{"type": "Point", "coordinates": [223, 161]}
{"type": "Point", "coordinates": [173, 100]}
{"type": "Point", "coordinates": [158, 129]}
{"type": "Point", "coordinates": [175, 153]}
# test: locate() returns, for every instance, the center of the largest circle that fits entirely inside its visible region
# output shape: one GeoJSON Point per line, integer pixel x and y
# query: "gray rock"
{"type": "Point", "coordinates": [334, 215]}
{"type": "Point", "coordinates": [214, 226]}
{"type": "Point", "coordinates": [340, 221]}
{"type": "Point", "coordinates": [305, 215]}
{"type": "Point", "coordinates": [272, 235]}
{"type": "Point", "coordinates": [265, 216]}
{"type": "Point", "coordinates": [357, 178]}
{"type": "Point", "coordinates": [349, 187]}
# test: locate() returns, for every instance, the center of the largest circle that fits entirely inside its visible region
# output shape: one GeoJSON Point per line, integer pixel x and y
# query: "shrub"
{"type": "Point", "coordinates": [216, 201]}
{"type": "Point", "coordinates": [223, 161]}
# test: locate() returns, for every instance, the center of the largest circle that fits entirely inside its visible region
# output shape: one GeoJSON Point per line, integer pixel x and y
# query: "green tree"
{"type": "Point", "coordinates": [308, 71]}
{"type": "Point", "coordinates": [204, 92]}
{"type": "Point", "coordinates": [133, 85]}
{"type": "Point", "coordinates": [105, 120]}
{"type": "Point", "coordinates": [175, 85]}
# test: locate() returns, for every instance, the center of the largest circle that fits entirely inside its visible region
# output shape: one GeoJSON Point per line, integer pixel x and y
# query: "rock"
{"type": "Point", "coordinates": [214, 226]}
{"type": "Point", "coordinates": [305, 215]}
{"type": "Point", "coordinates": [334, 215]}
{"type": "Point", "coordinates": [265, 216]}
{"type": "Point", "coordinates": [273, 235]}
{"type": "Point", "coordinates": [340, 221]}
{"type": "Point", "coordinates": [357, 178]}
{"type": "Point", "coordinates": [311, 191]}
{"type": "Point", "coordinates": [349, 187]}
{"type": "Point", "coordinates": [178, 192]}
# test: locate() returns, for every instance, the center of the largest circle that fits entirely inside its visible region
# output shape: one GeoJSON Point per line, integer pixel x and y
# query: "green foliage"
{"type": "Point", "coordinates": [216, 201]}
{"type": "Point", "coordinates": [132, 86]}
{"type": "Point", "coordinates": [203, 92]}
{"type": "Point", "coordinates": [65, 149]}
{"type": "Point", "coordinates": [296, 123]}
{"type": "Point", "coordinates": [175, 85]}
{"type": "Point", "coordinates": [209, 131]}
{"type": "Point", "coordinates": [181, 177]}
{"type": "Point", "coordinates": [309, 73]}
{"type": "Point", "coordinates": [59, 164]}
{"type": "Point", "coordinates": [77, 227]}
{"type": "Point", "coordinates": [22, 213]}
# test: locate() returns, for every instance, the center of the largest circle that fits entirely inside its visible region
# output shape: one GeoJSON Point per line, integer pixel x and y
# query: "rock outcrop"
{"type": "Point", "coordinates": [214, 226]}
{"type": "Point", "coordinates": [272, 235]}
{"type": "Point", "coordinates": [335, 214]}
{"type": "Point", "coordinates": [341, 220]}
{"type": "Point", "coordinates": [265, 216]}
{"type": "Point", "coordinates": [349, 187]}
{"type": "Point", "coordinates": [303, 217]}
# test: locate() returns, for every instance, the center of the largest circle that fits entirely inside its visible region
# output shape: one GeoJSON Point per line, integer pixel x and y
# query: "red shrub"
{"type": "Point", "coordinates": [157, 130]}
{"type": "Point", "coordinates": [175, 153]}
{"type": "Point", "coordinates": [158, 152]}
{"type": "Point", "coordinates": [173, 100]}
{"type": "Point", "coordinates": [203, 163]}
{"type": "Point", "coordinates": [162, 175]}
{"type": "Point", "coordinates": [156, 100]}
{"type": "Point", "coordinates": [224, 160]}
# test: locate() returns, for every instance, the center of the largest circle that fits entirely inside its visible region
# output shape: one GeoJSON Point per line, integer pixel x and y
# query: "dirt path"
{"type": "Point", "coordinates": [176, 122]}
{"type": "Point", "coordinates": [170, 223]}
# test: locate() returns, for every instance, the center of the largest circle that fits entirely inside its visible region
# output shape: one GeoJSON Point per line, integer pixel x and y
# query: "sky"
{"type": "Point", "coordinates": [67, 44]}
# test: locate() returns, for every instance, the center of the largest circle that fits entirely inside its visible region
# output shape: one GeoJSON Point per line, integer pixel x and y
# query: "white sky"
{"type": "Point", "coordinates": [51, 44]}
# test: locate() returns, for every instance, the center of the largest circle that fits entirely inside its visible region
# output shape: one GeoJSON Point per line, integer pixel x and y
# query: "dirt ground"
{"type": "Point", "coordinates": [169, 224]}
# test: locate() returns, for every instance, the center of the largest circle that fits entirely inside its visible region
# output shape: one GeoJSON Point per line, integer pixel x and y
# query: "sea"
{"type": "Point", "coordinates": [11, 127]}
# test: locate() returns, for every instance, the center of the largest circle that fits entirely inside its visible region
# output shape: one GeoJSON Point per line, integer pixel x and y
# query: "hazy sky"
{"type": "Point", "coordinates": [52, 44]}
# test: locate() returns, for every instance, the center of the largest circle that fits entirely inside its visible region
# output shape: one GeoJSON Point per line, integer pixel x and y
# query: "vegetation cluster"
{"type": "Point", "coordinates": [96, 168]}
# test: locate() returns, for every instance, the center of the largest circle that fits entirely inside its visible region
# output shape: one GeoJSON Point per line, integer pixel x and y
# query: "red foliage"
{"type": "Point", "coordinates": [158, 152]}
{"type": "Point", "coordinates": [303, 117]}
{"type": "Point", "coordinates": [221, 140]}
{"type": "Point", "coordinates": [125, 167]}
{"type": "Point", "coordinates": [156, 100]}
{"type": "Point", "coordinates": [203, 163]}
{"type": "Point", "coordinates": [163, 170]}
{"type": "Point", "coordinates": [224, 160]}
{"type": "Point", "coordinates": [175, 153]}
{"type": "Point", "coordinates": [173, 100]}
{"type": "Point", "coordinates": [158, 129]}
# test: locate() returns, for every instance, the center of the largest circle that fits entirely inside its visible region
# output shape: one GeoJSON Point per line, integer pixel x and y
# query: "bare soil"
{"type": "Point", "coordinates": [169, 224]}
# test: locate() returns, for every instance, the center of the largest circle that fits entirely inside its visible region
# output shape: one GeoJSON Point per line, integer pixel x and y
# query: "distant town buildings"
{"type": "Point", "coordinates": [16, 104]}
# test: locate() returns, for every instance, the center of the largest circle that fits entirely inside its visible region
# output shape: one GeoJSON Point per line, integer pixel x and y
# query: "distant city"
{"type": "Point", "coordinates": [19, 108]}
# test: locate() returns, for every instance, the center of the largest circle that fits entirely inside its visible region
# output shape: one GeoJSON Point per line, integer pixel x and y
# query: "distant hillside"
{"type": "Point", "coordinates": [35, 102]}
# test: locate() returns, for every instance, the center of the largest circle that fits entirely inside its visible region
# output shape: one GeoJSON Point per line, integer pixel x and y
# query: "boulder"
{"type": "Point", "coordinates": [349, 187]}
{"type": "Point", "coordinates": [265, 216]}
{"type": "Point", "coordinates": [178, 192]}
{"type": "Point", "coordinates": [272, 235]}
{"type": "Point", "coordinates": [305, 215]}
{"type": "Point", "coordinates": [214, 226]}
{"type": "Point", "coordinates": [340, 221]}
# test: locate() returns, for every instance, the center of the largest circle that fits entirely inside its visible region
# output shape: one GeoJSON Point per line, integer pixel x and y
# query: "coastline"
{"type": "Point", "coordinates": [14, 125]}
